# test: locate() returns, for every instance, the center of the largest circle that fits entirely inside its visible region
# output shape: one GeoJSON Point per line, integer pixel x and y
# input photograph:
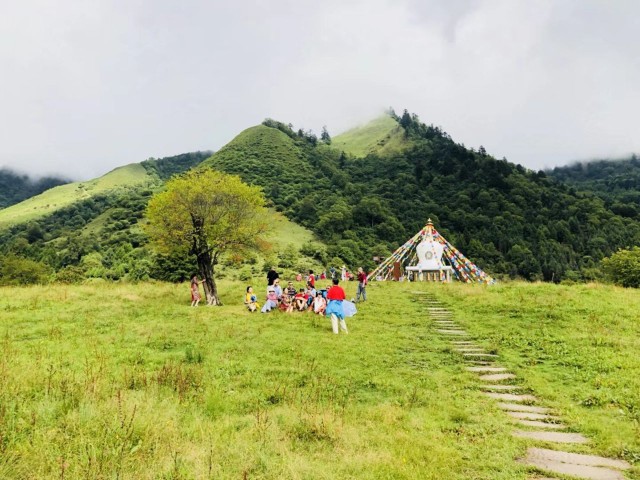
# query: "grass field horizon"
{"type": "Point", "coordinates": [108, 380]}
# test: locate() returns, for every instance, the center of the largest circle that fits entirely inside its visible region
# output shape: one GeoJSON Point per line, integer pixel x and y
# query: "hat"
{"type": "Point", "coordinates": [271, 289]}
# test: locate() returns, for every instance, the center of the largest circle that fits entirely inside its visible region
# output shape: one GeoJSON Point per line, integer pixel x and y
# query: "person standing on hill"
{"type": "Point", "coordinates": [335, 297]}
{"type": "Point", "coordinates": [362, 284]}
{"type": "Point", "coordinates": [272, 275]}
{"type": "Point", "coordinates": [311, 279]}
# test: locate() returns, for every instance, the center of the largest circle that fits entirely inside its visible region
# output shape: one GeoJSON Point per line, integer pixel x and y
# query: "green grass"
{"type": "Point", "coordinates": [65, 195]}
{"type": "Point", "coordinates": [382, 135]}
{"type": "Point", "coordinates": [126, 381]}
{"type": "Point", "coordinates": [576, 347]}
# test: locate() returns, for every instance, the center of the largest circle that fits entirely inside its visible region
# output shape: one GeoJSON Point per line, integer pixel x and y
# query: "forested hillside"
{"type": "Point", "coordinates": [363, 193]}
{"type": "Point", "coordinates": [91, 229]}
{"type": "Point", "coordinates": [15, 187]}
{"type": "Point", "coordinates": [615, 181]}
{"type": "Point", "coordinates": [510, 220]}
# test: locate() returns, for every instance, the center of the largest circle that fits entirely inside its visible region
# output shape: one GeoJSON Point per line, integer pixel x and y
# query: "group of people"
{"type": "Point", "coordinates": [330, 301]}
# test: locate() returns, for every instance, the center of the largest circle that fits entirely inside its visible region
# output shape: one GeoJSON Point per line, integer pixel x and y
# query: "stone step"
{"type": "Point", "coordinates": [486, 369]}
{"type": "Point", "coordinates": [493, 386]}
{"type": "Point", "coordinates": [580, 471]}
{"type": "Point", "coordinates": [538, 424]}
{"type": "Point", "coordinates": [532, 416]}
{"type": "Point", "coordinates": [576, 458]}
{"type": "Point", "coordinates": [516, 407]}
{"type": "Point", "coordinates": [473, 354]}
{"type": "Point", "coordinates": [557, 437]}
{"type": "Point", "coordinates": [511, 397]}
{"type": "Point", "coordinates": [452, 332]}
{"type": "Point", "coordinates": [498, 377]}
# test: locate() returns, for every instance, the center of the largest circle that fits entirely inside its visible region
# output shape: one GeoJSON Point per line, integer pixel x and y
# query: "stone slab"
{"type": "Point", "coordinates": [474, 354]}
{"type": "Point", "coordinates": [452, 332]}
{"type": "Point", "coordinates": [543, 425]}
{"type": "Point", "coordinates": [493, 386]}
{"type": "Point", "coordinates": [498, 377]}
{"type": "Point", "coordinates": [576, 458]}
{"type": "Point", "coordinates": [556, 437]}
{"type": "Point", "coordinates": [580, 471]}
{"type": "Point", "coordinates": [511, 397]}
{"type": "Point", "coordinates": [516, 407]}
{"type": "Point", "coordinates": [486, 369]}
{"type": "Point", "coordinates": [532, 416]}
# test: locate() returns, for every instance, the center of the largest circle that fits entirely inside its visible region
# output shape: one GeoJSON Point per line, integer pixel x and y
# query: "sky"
{"type": "Point", "coordinates": [89, 85]}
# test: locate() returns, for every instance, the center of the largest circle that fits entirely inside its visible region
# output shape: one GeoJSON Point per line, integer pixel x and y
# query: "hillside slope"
{"type": "Point", "coordinates": [93, 229]}
{"type": "Point", "coordinates": [509, 220]}
{"type": "Point", "coordinates": [615, 181]}
{"type": "Point", "coordinates": [14, 187]}
{"type": "Point", "coordinates": [381, 135]}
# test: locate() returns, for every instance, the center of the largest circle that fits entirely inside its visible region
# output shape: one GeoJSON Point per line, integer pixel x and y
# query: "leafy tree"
{"type": "Point", "coordinates": [206, 214]}
{"type": "Point", "coordinates": [324, 136]}
{"type": "Point", "coordinates": [624, 267]}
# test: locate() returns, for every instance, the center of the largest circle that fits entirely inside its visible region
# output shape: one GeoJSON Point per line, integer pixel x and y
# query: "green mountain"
{"type": "Point", "coordinates": [92, 229]}
{"type": "Point", "coordinates": [357, 196]}
{"type": "Point", "coordinates": [14, 188]}
{"type": "Point", "coordinates": [617, 182]}
{"type": "Point", "coordinates": [371, 188]}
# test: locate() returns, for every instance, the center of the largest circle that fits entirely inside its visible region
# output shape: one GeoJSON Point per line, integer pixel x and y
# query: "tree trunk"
{"type": "Point", "coordinates": [200, 249]}
{"type": "Point", "coordinates": [206, 271]}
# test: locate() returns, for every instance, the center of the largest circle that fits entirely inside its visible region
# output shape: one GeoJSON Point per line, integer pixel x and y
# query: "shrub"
{"type": "Point", "coordinates": [624, 267]}
{"type": "Point", "coordinates": [22, 271]}
{"type": "Point", "coordinates": [70, 274]}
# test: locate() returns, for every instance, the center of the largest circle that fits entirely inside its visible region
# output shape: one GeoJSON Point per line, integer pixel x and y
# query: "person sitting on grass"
{"type": "Point", "coordinates": [300, 301]}
{"type": "Point", "coordinates": [272, 300]}
{"type": "Point", "coordinates": [290, 291]}
{"type": "Point", "coordinates": [250, 300]}
{"type": "Point", "coordinates": [309, 294]}
{"type": "Point", "coordinates": [319, 304]}
{"type": "Point", "coordinates": [286, 305]}
{"type": "Point", "coordinates": [335, 296]}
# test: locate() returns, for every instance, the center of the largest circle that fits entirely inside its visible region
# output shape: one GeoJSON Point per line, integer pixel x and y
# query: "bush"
{"type": "Point", "coordinates": [624, 267]}
{"type": "Point", "coordinates": [22, 271]}
{"type": "Point", "coordinates": [70, 274]}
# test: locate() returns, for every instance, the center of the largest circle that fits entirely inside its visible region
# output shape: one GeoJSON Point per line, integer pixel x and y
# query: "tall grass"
{"type": "Point", "coordinates": [128, 381]}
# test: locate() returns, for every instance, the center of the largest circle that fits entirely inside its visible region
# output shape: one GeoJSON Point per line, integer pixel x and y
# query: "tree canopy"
{"type": "Point", "coordinates": [206, 214]}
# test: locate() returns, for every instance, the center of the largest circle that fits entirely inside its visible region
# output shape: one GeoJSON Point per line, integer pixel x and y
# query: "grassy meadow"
{"type": "Point", "coordinates": [111, 380]}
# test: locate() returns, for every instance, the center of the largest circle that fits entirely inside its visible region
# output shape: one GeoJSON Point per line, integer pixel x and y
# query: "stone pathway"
{"type": "Point", "coordinates": [534, 422]}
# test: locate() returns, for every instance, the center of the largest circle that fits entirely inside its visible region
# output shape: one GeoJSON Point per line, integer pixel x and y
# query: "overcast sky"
{"type": "Point", "coordinates": [89, 85]}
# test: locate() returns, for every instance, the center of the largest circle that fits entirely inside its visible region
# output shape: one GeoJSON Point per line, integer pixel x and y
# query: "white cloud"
{"type": "Point", "coordinates": [87, 86]}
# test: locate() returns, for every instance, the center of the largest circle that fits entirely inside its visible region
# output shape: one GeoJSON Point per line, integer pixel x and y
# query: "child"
{"type": "Point", "coordinates": [319, 304]}
{"type": "Point", "coordinates": [272, 300]}
{"type": "Point", "coordinates": [286, 305]}
{"type": "Point", "coordinates": [250, 300]}
{"type": "Point", "coordinates": [301, 302]}
{"type": "Point", "coordinates": [195, 291]}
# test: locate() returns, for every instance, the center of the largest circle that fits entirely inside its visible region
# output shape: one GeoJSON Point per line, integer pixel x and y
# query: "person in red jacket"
{"type": "Point", "coordinates": [335, 296]}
